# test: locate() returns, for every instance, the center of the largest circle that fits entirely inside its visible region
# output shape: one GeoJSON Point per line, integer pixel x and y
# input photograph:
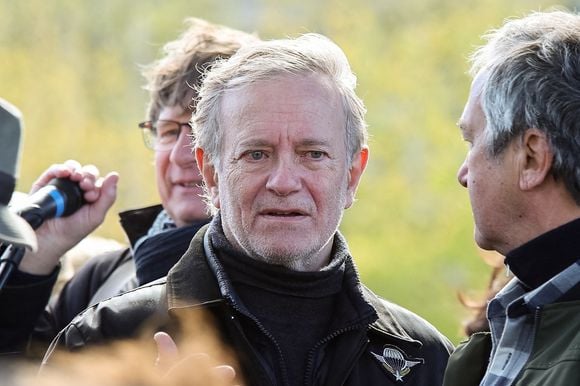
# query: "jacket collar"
{"type": "Point", "coordinates": [136, 222]}
{"type": "Point", "coordinates": [542, 258]}
{"type": "Point", "coordinates": [388, 323]}
{"type": "Point", "coordinates": [192, 283]}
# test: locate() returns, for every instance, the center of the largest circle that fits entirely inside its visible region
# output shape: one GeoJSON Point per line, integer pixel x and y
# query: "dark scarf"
{"type": "Point", "coordinates": [158, 253]}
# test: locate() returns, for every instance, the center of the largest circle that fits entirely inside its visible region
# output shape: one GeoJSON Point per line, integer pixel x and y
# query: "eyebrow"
{"type": "Point", "coordinates": [254, 142]}
{"type": "Point", "coordinates": [261, 142]}
{"type": "Point", "coordinates": [313, 142]}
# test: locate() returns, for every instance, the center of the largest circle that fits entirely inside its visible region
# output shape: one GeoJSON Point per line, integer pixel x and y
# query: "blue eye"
{"type": "Point", "coordinates": [316, 154]}
{"type": "Point", "coordinates": [256, 155]}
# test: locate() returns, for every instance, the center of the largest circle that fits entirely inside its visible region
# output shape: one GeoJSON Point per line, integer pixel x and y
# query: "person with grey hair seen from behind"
{"type": "Point", "coordinates": [159, 235]}
{"type": "Point", "coordinates": [280, 139]}
{"type": "Point", "coordinates": [522, 171]}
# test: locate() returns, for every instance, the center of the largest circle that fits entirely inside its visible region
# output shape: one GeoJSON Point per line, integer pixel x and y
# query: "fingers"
{"type": "Point", "coordinates": [169, 361]}
{"type": "Point", "coordinates": [167, 353]}
{"type": "Point", "coordinates": [73, 170]}
{"type": "Point", "coordinates": [225, 373]}
{"type": "Point", "coordinates": [88, 178]}
{"type": "Point", "coordinates": [222, 374]}
{"type": "Point", "coordinates": [103, 196]}
{"type": "Point", "coordinates": [91, 183]}
{"type": "Point", "coordinates": [64, 170]}
{"type": "Point", "coordinates": [109, 188]}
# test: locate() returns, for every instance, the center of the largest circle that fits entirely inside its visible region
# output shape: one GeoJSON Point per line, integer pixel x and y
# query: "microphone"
{"type": "Point", "coordinates": [60, 198]}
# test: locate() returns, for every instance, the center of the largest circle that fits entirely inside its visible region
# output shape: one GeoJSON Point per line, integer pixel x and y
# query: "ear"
{"type": "Point", "coordinates": [536, 157]}
{"type": "Point", "coordinates": [358, 166]}
{"type": "Point", "coordinates": [210, 177]}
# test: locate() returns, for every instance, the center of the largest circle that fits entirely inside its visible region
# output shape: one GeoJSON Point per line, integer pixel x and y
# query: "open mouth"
{"type": "Point", "coordinates": [188, 184]}
{"type": "Point", "coordinates": [283, 213]}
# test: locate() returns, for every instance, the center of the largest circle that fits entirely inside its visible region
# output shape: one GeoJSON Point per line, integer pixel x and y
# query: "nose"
{"type": "Point", "coordinates": [182, 151]}
{"type": "Point", "coordinates": [462, 174]}
{"type": "Point", "coordinates": [284, 178]}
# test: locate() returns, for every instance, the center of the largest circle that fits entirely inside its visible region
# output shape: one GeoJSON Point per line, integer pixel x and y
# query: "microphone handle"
{"type": "Point", "coordinates": [10, 259]}
{"type": "Point", "coordinates": [60, 198]}
{"type": "Point", "coordinates": [34, 216]}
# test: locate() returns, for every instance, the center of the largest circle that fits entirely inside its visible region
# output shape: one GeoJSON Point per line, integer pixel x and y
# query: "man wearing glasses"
{"type": "Point", "coordinates": [159, 235]}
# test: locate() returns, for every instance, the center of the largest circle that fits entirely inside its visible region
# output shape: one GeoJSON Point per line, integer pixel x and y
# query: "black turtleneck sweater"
{"type": "Point", "coordinates": [295, 308]}
{"type": "Point", "coordinates": [540, 259]}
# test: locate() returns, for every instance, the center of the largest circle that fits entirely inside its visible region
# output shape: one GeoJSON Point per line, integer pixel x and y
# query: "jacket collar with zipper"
{"type": "Point", "coordinates": [192, 282]}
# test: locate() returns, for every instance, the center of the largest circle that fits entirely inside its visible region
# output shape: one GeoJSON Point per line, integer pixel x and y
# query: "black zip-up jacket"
{"type": "Point", "coordinates": [371, 341]}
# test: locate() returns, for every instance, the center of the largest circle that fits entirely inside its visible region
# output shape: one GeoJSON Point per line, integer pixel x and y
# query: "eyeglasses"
{"type": "Point", "coordinates": [162, 135]}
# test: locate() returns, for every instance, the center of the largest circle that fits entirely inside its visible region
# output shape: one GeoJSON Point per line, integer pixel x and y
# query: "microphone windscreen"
{"type": "Point", "coordinates": [10, 133]}
{"type": "Point", "coordinates": [13, 229]}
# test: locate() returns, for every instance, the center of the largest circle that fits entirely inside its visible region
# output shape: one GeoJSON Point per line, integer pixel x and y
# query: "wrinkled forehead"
{"type": "Point", "coordinates": [288, 95]}
{"type": "Point", "coordinates": [298, 108]}
{"type": "Point", "coordinates": [286, 84]}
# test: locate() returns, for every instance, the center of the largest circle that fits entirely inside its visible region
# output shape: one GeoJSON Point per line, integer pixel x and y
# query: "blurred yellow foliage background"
{"type": "Point", "coordinates": [72, 67]}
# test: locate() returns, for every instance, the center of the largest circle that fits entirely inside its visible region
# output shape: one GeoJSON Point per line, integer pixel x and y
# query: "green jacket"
{"type": "Point", "coordinates": [555, 359]}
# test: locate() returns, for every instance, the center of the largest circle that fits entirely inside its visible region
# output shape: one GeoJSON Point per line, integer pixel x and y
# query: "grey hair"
{"type": "Point", "coordinates": [307, 54]}
{"type": "Point", "coordinates": [172, 79]}
{"type": "Point", "coordinates": [531, 72]}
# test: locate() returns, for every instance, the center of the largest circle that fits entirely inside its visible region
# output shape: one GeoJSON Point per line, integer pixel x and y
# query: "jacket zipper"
{"type": "Point", "coordinates": [310, 364]}
{"type": "Point", "coordinates": [214, 266]}
{"type": "Point", "coordinates": [283, 369]}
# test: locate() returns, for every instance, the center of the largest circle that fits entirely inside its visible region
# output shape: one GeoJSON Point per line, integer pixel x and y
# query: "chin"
{"type": "Point", "coordinates": [187, 215]}
{"type": "Point", "coordinates": [282, 252]}
{"type": "Point", "coordinates": [484, 242]}
{"type": "Point", "coordinates": [195, 217]}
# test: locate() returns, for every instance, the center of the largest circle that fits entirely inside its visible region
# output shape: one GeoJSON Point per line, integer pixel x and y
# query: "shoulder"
{"type": "Point", "coordinates": [121, 316]}
{"type": "Point", "coordinates": [468, 362]}
{"type": "Point", "coordinates": [77, 292]}
{"type": "Point", "coordinates": [397, 320]}
{"type": "Point", "coordinates": [97, 268]}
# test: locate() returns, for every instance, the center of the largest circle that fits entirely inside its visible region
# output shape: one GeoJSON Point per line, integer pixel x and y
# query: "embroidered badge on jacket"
{"type": "Point", "coordinates": [396, 362]}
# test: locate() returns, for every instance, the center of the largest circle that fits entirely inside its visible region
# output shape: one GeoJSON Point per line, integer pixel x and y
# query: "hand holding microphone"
{"type": "Point", "coordinates": [60, 198]}
{"type": "Point", "coordinates": [67, 202]}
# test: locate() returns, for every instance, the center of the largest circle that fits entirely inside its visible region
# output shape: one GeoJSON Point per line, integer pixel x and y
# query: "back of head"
{"type": "Point", "coordinates": [171, 80]}
{"type": "Point", "coordinates": [531, 72]}
{"type": "Point", "coordinates": [307, 54]}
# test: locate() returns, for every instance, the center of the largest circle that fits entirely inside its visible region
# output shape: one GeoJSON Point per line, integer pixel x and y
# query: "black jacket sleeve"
{"type": "Point", "coordinates": [21, 302]}
{"type": "Point", "coordinates": [28, 324]}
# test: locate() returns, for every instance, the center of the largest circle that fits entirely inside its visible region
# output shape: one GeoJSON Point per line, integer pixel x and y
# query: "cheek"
{"type": "Point", "coordinates": [228, 188]}
{"type": "Point", "coordinates": [244, 190]}
{"type": "Point", "coordinates": [161, 167]}
{"type": "Point", "coordinates": [330, 195]}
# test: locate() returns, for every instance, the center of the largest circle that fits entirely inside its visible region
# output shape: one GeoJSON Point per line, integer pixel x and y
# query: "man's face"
{"type": "Point", "coordinates": [284, 180]}
{"type": "Point", "coordinates": [492, 182]}
{"type": "Point", "coordinates": [177, 175]}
